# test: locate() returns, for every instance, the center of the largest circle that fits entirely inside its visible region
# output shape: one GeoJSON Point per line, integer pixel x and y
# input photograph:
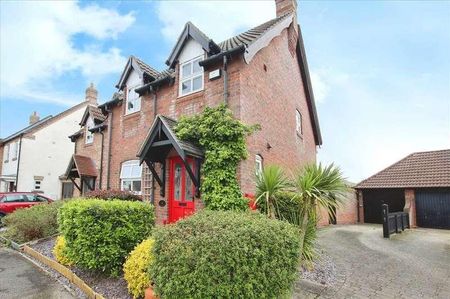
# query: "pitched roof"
{"type": "Point", "coordinates": [250, 36]}
{"type": "Point", "coordinates": [96, 114]}
{"type": "Point", "coordinates": [162, 130]}
{"type": "Point", "coordinates": [84, 166]}
{"type": "Point", "coordinates": [138, 65]}
{"type": "Point", "coordinates": [417, 170]}
{"type": "Point", "coordinates": [27, 129]}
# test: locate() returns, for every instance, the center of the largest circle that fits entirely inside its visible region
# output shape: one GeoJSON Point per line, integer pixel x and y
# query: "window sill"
{"type": "Point", "coordinates": [89, 144]}
{"type": "Point", "coordinates": [132, 114]}
{"type": "Point", "coordinates": [191, 93]}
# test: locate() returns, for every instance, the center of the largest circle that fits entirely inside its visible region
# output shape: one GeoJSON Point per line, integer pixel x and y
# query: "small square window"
{"type": "Point", "coordinates": [37, 185]}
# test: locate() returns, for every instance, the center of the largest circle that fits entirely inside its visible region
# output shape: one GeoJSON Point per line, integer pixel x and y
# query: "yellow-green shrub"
{"type": "Point", "coordinates": [137, 266]}
{"type": "Point", "coordinates": [59, 251]}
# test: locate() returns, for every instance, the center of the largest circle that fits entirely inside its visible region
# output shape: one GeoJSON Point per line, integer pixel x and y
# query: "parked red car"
{"type": "Point", "coordinates": [11, 201]}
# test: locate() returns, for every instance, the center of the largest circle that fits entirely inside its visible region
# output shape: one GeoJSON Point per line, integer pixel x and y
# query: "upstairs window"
{"type": "Point", "coordinates": [89, 134]}
{"type": "Point", "coordinates": [6, 154]}
{"type": "Point", "coordinates": [298, 122]}
{"type": "Point", "coordinates": [130, 176]}
{"type": "Point", "coordinates": [15, 150]}
{"type": "Point", "coordinates": [37, 185]}
{"type": "Point", "coordinates": [191, 76]}
{"type": "Point", "coordinates": [133, 100]}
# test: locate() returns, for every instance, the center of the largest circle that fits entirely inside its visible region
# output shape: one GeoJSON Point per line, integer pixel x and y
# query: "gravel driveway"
{"type": "Point", "coordinates": [414, 264]}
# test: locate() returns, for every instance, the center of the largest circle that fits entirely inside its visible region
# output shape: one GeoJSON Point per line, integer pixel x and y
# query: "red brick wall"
{"type": "Point", "coordinates": [270, 98]}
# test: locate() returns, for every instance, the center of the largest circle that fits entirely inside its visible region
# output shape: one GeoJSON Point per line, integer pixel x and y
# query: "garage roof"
{"type": "Point", "coordinates": [418, 170]}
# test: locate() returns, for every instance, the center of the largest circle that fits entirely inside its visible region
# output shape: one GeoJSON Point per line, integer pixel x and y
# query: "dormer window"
{"type": "Point", "coordinates": [191, 76]}
{"type": "Point", "coordinates": [133, 100]}
{"type": "Point", "coordinates": [89, 134]}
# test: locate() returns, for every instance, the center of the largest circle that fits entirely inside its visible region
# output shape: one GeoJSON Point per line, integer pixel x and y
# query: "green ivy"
{"type": "Point", "coordinates": [223, 139]}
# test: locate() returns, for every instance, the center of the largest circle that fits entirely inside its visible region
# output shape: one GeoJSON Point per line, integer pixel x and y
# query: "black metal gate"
{"type": "Point", "coordinates": [433, 209]}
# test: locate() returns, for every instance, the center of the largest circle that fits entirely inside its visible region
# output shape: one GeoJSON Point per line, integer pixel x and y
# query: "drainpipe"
{"type": "Point", "coordinates": [18, 161]}
{"type": "Point", "coordinates": [101, 161]}
{"type": "Point", "coordinates": [152, 195]}
{"type": "Point", "coordinates": [108, 164]}
{"type": "Point", "coordinates": [225, 80]}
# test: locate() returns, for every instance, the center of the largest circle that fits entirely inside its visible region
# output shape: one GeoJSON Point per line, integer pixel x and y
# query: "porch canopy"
{"type": "Point", "coordinates": [82, 167]}
{"type": "Point", "coordinates": [158, 144]}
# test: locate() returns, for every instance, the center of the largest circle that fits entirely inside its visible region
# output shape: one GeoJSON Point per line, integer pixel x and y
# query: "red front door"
{"type": "Point", "coordinates": [181, 190]}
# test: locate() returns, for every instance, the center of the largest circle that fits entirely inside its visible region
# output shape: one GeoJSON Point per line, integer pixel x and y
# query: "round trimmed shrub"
{"type": "Point", "coordinates": [59, 251]}
{"type": "Point", "coordinates": [136, 268]}
{"type": "Point", "coordinates": [225, 254]}
{"type": "Point", "coordinates": [99, 234]}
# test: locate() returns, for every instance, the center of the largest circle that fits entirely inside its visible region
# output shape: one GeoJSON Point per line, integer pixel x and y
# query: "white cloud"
{"type": "Point", "coordinates": [320, 86]}
{"type": "Point", "coordinates": [218, 19]}
{"type": "Point", "coordinates": [37, 47]}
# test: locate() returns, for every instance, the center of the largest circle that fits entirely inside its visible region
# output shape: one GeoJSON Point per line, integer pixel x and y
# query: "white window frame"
{"type": "Point", "coordinates": [298, 122]}
{"type": "Point", "coordinates": [127, 175]}
{"type": "Point", "coordinates": [89, 135]}
{"type": "Point", "coordinates": [136, 101]}
{"type": "Point", "coordinates": [259, 165]}
{"type": "Point", "coordinates": [37, 184]}
{"type": "Point", "coordinates": [191, 77]}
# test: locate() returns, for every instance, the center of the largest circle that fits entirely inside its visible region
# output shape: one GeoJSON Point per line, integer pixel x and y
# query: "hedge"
{"type": "Point", "coordinates": [99, 234]}
{"type": "Point", "coordinates": [113, 194]}
{"type": "Point", "coordinates": [33, 223]}
{"type": "Point", "coordinates": [225, 254]}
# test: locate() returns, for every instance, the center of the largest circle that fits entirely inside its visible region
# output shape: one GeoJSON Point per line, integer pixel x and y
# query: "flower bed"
{"type": "Point", "coordinates": [106, 286]}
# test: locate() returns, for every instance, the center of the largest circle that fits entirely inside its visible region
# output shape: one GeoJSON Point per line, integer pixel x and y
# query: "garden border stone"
{"type": "Point", "coordinates": [72, 277]}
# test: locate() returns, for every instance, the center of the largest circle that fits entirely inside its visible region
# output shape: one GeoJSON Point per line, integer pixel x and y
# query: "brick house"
{"type": "Point", "coordinates": [261, 74]}
{"type": "Point", "coordinates": [418, 184]}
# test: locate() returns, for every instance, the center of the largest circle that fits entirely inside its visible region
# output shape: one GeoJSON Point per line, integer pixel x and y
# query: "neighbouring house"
{"type": "Point", "coordinates": [35, 157]}
{"type": "Point", "coordinates": [418, 184]}
{"type": "Point", "coordinates": [262, 75]}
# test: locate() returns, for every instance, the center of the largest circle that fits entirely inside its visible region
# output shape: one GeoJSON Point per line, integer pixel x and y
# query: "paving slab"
{"type": "Point", "coordinates": [413, 264]}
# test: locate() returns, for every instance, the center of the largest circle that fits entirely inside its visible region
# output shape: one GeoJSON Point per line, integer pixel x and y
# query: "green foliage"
{"type": "Point", "coordinates": [269, 184]}
{"type": "Point", "coordinates": [59, 251]}
{"type": "Point", "coordinates": [315, 186]}
{"type": "Point", "coordinates": [99, 234]}
{"type": "Point", "coordinates": [113, 194]}
{"type": "Point", "coordinates": [136, 268]}
{"type": "Point", "coordinates": [223, 139]}
{"type": "Point", "coordinates": [225, 254]}
{"type": "Point", "coordinates": [33, 223]}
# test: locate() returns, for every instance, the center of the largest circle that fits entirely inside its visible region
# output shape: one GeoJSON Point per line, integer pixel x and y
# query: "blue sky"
{"type": "Point", "coordinates": [380, 70]}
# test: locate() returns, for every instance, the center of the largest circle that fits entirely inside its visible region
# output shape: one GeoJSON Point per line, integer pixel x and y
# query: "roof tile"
{"type": "Point", "coordinates": [418, 170]}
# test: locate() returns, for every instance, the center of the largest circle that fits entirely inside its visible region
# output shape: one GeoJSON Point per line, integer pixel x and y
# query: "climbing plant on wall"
{"type": "Point", "coordinates": [223, 139]}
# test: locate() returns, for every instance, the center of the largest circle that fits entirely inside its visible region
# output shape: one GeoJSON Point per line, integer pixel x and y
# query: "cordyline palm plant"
{"type": "Point", "coordinates": [317, 186]}
{"type": "Point", "coordinates": [297, 201]}
{"type": "Point", "coordinates": [269, 184]}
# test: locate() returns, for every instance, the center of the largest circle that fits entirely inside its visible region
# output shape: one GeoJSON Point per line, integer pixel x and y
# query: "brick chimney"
{"type": "Point", "coordinates": [34, 118]}
{"type": "Point", "coordinates": [91, 94]}
{"type": "Point", "coordinates": [286, 6]}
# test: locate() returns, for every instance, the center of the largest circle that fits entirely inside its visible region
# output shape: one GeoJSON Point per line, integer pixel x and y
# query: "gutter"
{"type": "Point", "coordinates": [100, 128]}
{"type": "Point", "coordinates": [151, 86]}
{"type": "Point", "coordinates": [108, 164]}
{"type": "Point", "coordinates": [218, 57]}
